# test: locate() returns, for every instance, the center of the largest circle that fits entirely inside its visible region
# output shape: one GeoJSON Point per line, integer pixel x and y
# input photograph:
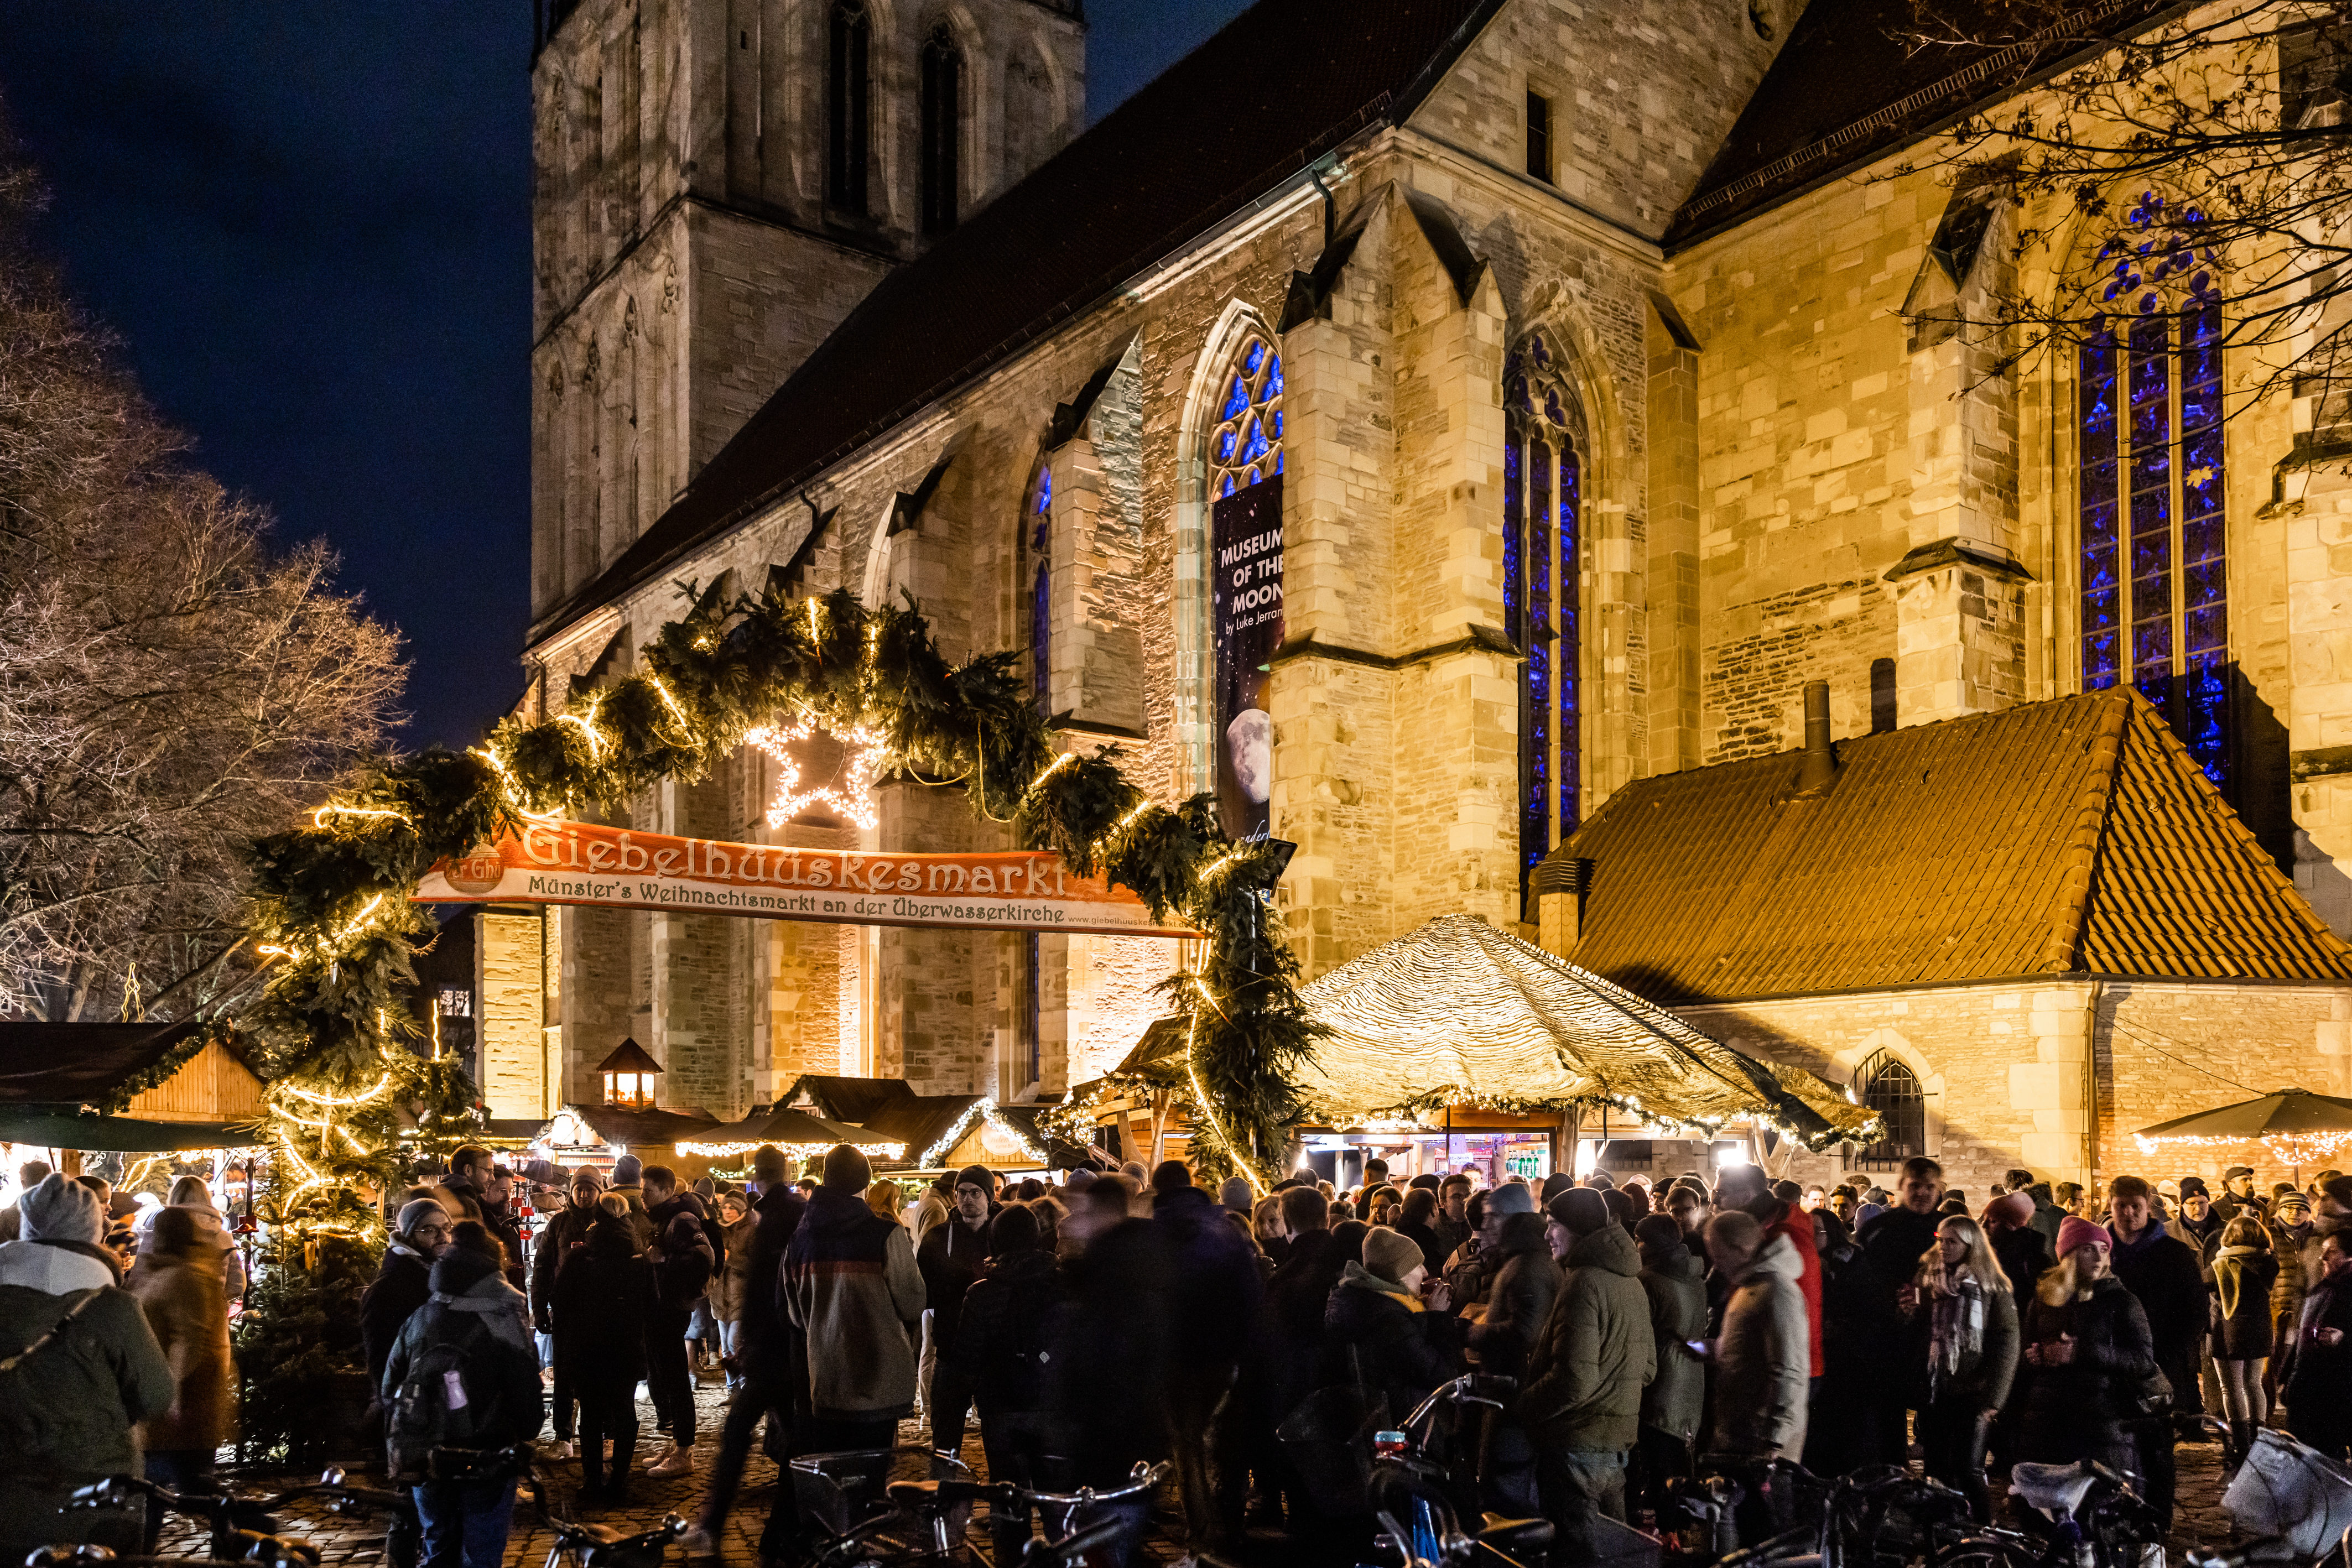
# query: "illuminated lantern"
{"type": "Point", "coordinates": [629, 1075]}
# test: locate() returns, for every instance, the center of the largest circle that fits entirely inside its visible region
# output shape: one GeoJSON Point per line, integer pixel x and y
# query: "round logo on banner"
{"type": "Point", "coordinates": [478, 872]}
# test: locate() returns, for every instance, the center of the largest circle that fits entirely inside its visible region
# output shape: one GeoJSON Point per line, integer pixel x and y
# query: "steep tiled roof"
{"type": "Point", "coordinates": [1858, 77]}
{"type": "Point", "coordinates": [1283, 84]}
{"type": "Point", "coordinates": [2067, 836]}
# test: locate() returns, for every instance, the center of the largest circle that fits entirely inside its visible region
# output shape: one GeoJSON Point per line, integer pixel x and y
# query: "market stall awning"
{"type": "Point", "coordinates": [1458, 1013]}
{"type": "Point", "coordinates": [120, 1134]}
{"type": "Point", "coordinates": [796, 1133]}
{"type": "Point", "coordinates": [70, 1064]}
{"type": "Point", "coordinates": [2299, 1127]}
{"type": "Point", "coordinates": [621, 1127]}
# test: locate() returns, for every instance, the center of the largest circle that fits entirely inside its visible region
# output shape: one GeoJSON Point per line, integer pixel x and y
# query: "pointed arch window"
{"type": "Point", "coordinates": [942, 120]}
{"type": "Point", "coordinates": [1543, 515]}
{"type": "Point", "coordinates": [1036, 574]}
{"type": "Point", "coordinates": [847, 108]}
{"type": "Point", "coordinates": [1245, 447]}
{"type": "Point", "coordinates": [1889, 1087]}
{"type": "Point", "coordinates": [2152, 529]}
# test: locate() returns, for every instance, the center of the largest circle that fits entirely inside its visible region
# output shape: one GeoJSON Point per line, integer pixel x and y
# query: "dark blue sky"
{"type": "Point", "coordinates": [309, 224]}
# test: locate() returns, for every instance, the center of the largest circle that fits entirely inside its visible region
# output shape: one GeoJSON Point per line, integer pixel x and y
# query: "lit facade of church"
{"type": "Point", "coordinates": [1419, 426]}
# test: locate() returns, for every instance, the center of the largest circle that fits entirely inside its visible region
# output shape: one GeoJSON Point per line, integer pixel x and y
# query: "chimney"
{"type": "Point", "coordinates": [1820, 770]}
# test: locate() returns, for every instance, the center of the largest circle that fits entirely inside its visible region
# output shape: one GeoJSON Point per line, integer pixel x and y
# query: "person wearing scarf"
{"type": "Point", "coordinates": [2244, 1272]}
{"type": "Point", "coordinates": [1972, 1348]}
{"type": "Point", "coordinates": [1387, 1338]}
{"type": "Point", "coordinates": [2319, 1363]}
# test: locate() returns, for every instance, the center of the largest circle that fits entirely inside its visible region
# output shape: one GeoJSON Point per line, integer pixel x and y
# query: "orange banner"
{"type": "Point", "coordinates": [617, 868]}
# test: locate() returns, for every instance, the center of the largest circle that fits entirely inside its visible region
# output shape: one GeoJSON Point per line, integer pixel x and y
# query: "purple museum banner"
{"type": "Point", "coordinates": [1245, 622]}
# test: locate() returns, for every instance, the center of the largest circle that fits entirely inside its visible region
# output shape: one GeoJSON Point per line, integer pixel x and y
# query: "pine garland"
{"type": "Point", "coordinates": [333, 905]}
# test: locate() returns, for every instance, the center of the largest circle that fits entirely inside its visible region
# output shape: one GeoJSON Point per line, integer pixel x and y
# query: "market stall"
{"type": "Point", "coordinates": [76, 1089]}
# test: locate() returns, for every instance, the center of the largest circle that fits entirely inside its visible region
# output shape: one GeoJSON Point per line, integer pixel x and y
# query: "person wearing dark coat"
{"type": "Point", "coordinates": [2166, 1275]}
{"type": "Point", "coordinates": [1416, 1224]}
{"type": "Point", "coordinates": [684, 1258]}
{"type": "Point", "coordinates": [951, 1256]}
{"type": "Point", "coordinates": [1288, 1354]}
{"type": "Point", "coordinates": [1526, 1281]}
{"type": "Point", "coordinates": [2089, 1354]}
{"type": "Point", "coordinates": [1581, 1399]}
{"type": "Point", "coordinates": [566, 1229]}
{"type": "Point", "coordinates": [1894, 1241]}
{"type": "Point", "coordinates": [1861, 1339]}
{"type": "Point", "coordinates": [770, 1364]}
{"type": "Point", "coordinates": [601, 1306]}
{"type": "Point", "coordinates": [1674, 1400]}
{"type": "Point", "coordinates": [402, 1282]}
{"type": "Point", "coordinates": [2317, 1383]}
{"type": "Point", "coordinates": [1391, 1340]}
{"type": "Point", "coordinates": [2244, 1270]}
{"type": "Point", "coordinates": [1000, 1347]}
{"type": "Point", "coordinates": [1218, 1286]}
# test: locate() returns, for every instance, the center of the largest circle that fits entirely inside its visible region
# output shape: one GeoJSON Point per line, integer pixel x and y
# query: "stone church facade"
{"type": "Point", "coordinates": [1596, 364]}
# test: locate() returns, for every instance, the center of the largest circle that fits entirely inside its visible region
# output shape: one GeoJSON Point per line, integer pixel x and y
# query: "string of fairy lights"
{"type": "Point", "coordinates": [334, 917]}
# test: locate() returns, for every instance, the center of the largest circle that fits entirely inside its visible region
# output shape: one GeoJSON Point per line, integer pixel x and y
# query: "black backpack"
{"type": "Point", "coordinates": [443, 1401]}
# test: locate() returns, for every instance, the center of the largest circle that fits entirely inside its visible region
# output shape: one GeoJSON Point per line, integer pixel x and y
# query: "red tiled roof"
{"type": "Point", "coordinates": [2068, 836]}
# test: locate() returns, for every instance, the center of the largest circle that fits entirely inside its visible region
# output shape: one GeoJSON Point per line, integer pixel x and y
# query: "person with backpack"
{"type": "Point", "coordinates": [685, 1255]}
{"type": "Point", "coordinates": [1001, 1347]}
{"type": "Point", "coordinates": [463, 1378]}
{"type": "Point", "coordinates": [600, 1307]}
{"type": "Point", "coordinates": [79, 1369]}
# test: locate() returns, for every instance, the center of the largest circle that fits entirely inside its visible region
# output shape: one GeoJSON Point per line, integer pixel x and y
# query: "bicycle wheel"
{"type": "Point", "coordinates": [1978, 1553]}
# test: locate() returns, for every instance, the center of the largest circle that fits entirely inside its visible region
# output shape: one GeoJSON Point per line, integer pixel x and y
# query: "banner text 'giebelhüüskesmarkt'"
{"type": "Point", "coordinates": [617, 868]}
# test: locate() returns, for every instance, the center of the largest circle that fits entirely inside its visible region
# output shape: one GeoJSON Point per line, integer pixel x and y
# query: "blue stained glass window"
{"type": "Point", "coordinates": [1515, 523]}
{"type": "Point", "coordinates": [1535, 732]}
{"type": "Point", "coordinates": [1568, 676]}
{"type": "Point", "coordinates": [1245, 445]}
{"type": "Point", "coordinates": [1542, 520]}
{"type": "Point", "coordinates": [2152, 530]}
{"type": "Point", "coordinates": [1040, 541]}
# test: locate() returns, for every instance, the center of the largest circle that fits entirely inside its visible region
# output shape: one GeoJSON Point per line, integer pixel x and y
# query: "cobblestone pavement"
{"type": "Point", "coordinates": [2199, 1518]}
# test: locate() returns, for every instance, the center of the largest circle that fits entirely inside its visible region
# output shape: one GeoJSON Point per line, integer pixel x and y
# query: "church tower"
{"type": "Point", "coordinates": [716, 184]}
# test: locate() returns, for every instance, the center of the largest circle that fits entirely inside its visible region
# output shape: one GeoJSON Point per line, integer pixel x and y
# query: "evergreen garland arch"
{"type": "Point", "coordinates": [332, 904]}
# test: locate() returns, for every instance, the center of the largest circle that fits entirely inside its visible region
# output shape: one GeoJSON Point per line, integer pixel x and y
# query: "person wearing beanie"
{"type": "Point", "coordinates": [629, 1185]}
{"type": "Point", "coordinates": [402, 1281]}
{"type": "Point", "coordinates": [2023, 1254]}
{"type": "Point", "coordinates": [69, 1409]}
{"type": "Point", "coordinates": [2194, 1220]}
{"type": "Point", "coordinates": [1674, 1400]}
{"type": "Point", "coordinates": [852, 1287]}
{"type": "Point", "coordinates": [474, 1318]}
{"type": "Point", "coordinates": [2089, 1358]}
{"type": "Point", "coordinates": [567, 1229]}
{"type": "Point", "coordinates": [1218, 1285]}
{"type": "Point", "coordinates": [1581, 1401]}
{"type": "Point", "coordinates": [1235, 1193]}
{"type": "Point", "coordinates": [951, 1257]}
{"type": "Point", "coordinates": [1404, 1338]}
{"type": "Point", "coordinates": [999, 1332]}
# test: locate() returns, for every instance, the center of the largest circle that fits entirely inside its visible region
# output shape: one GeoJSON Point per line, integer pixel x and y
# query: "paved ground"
{"type": "Point", "coordinates": [2199, 1520]}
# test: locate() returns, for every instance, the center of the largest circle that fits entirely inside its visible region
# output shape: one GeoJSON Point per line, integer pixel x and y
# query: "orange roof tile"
{"type": "Point", "coordinates": [2066, 836]}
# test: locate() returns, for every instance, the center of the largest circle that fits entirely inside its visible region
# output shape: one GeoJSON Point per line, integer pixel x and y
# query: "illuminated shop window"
{"type": "Point", "coordinates": [1246, 444]}
{"type": "Point", "coordinates": [2153, 538]}
{"type": "Point", "coordinates": [1543, 506]}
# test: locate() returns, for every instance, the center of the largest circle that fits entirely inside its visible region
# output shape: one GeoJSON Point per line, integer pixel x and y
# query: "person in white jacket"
{"type": "Point", "coordinates": [1764, 1359]}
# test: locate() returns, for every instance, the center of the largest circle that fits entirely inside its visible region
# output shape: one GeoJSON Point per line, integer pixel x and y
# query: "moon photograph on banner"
{"type": "Point", "coordinates": [1245, 617]}
{"type": "Point", "coordinates": [618, 868]}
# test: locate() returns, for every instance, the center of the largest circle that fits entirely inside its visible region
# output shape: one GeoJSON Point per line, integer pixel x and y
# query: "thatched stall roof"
{"type": "Point", "coordinates": [1457, 1013]}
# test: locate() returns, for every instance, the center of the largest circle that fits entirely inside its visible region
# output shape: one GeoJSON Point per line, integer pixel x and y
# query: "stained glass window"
{"type": "Point", "coordinates": [2153, 546]}
{"type": "Point", "coordinates": [1543, 506]}
{"type": "Point", "coordinates": [1036, 548]}
{"type": "Point", "coordinates": [942, 124]}
{"type": "Point", "coordinates": [1246, 444]}
{"type": "Point", "coordinates": [846, 101]}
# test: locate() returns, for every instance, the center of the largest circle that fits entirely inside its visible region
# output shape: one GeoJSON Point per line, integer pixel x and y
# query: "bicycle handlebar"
{"type": "Point", "coordinates": [1141, 1479]}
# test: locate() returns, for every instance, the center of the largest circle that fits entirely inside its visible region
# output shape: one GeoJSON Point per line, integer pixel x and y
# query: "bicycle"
{"type": "Point", "coordinates": [2089, 1506]}
{"type": "Point", "coordinates": [594, 1545]}
{"type": "Point", "coordinates": [89, 1554]}
{"type": "Point", "coordinates": [935, 1499]}
{"type": "Point", "coordinates": [246, 1529]}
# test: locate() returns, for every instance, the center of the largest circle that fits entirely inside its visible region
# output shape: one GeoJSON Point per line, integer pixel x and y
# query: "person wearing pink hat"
{"type": "Point", "coordinates": [2024, 1253]}
{"type": "Point", "coordinates": [2088, 1353]}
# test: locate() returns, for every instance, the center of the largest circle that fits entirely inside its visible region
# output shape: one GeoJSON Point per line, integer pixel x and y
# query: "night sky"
{"type": "Point", "coordinates": [310, 226]}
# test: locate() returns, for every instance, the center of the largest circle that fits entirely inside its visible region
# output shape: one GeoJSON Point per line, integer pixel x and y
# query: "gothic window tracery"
{"type": "Point", "coordinates": [2153, 537]}
{"type": "Point", "coordinates": [1543, 508]}
{"type": "Point", "coordinates": [1246, 446]}
{"type": "Point", "coordinates": [1888, 1086]}
{"type": "Point", "coordinates": [943, 121]}
{"type": "Point", "coordinates": [847, 92]}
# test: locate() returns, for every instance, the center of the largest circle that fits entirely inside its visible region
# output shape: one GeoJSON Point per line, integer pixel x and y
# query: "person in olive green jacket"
{"type": "Point", "coordinates": [1581, 1403]}
{"type": "Point", "coordinates": [87, 1371]}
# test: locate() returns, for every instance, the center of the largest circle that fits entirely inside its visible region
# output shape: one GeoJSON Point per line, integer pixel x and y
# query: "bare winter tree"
{"type": "Point", "coordinates": [2160, 160]}
{"type": "Point", "coordinates": [170, 685]}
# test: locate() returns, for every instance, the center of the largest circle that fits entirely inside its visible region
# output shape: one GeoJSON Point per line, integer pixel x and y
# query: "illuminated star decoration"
{"type": "Point", "coordinates": [854, 799]}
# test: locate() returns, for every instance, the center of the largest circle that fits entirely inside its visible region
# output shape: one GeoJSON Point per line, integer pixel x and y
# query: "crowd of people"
{"type": "Point", "coordinates": [1125, 1316]}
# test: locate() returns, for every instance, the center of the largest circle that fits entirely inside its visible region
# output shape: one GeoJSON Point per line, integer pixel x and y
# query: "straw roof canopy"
{"type": "Point", "coordinates": [1459, 1013]}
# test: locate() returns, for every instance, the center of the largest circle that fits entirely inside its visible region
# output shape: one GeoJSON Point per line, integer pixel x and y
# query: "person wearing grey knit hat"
{"type": "Point", "coordinates": [846, 1170]}
{"type": "Point", "coordinates": [1235, 1193]}
{"type": "Point", "coordinates": [1394, 1256]}
{"type": "Point", "coordinates": [403, 1280]}
{"type": "Point", "coordinates": [63, 1209]}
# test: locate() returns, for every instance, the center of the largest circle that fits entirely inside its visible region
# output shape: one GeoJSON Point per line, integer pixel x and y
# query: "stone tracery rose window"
{"type": "Point", "coordinates": [1543, 506]}
{"type": "Point", "coordinates": [1246, 446]}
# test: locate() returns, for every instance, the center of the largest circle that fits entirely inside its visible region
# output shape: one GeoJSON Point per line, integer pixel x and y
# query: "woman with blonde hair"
{"type": "Point", "coordinates": [2244, 1269]}
{"type": "Point", "coordinates": [887, 1198]}
{"type": "Point", "coordinates": [1972, 1341]}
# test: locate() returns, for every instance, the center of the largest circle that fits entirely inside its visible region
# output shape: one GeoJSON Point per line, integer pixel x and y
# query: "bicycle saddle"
{"type": "Point", "coordinates": [1512, 1534]}
{"type": "Point", "coordinates": [928, 1493]}
{"type": "Point", "coordinates": [2056, 1489]}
